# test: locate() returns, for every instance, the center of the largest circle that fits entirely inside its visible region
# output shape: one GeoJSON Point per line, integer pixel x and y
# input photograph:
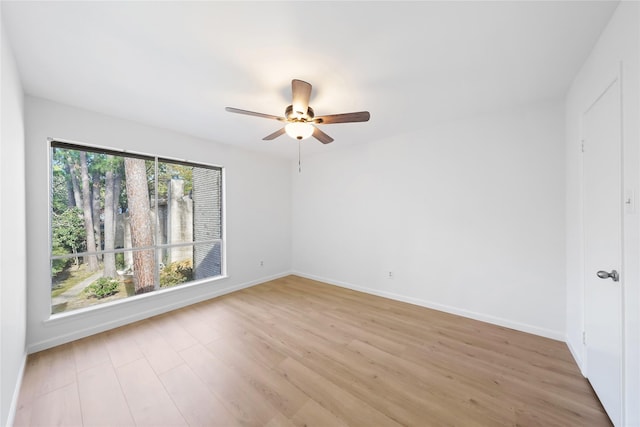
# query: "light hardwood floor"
{"type": "Point", "coordinates": [298, 352]}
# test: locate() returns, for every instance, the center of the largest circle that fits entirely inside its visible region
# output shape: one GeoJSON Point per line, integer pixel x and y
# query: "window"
{"type": "Point", "coordinates": [126, 224]}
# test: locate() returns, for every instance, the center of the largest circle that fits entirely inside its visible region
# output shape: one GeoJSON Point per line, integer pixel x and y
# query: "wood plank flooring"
{"type": "Point", "coordinates": [295, 352]}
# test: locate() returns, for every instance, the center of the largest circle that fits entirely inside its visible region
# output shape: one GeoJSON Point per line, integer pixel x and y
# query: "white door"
{"type": "Point", "coordinates": [602, 163]}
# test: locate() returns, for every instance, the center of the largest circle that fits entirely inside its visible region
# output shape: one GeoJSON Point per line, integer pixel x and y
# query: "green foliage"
{"type": "Point", "coordinates": [167, 171]}
{"type": "Point", "coordinates": [68, 230]}
{"type": "Point", "coordinates": [176, 273]}
{"type": "Point", "coordinates": [58, 265]}
{"type": "Point", "coordinates": [120, 261]}
{"type": "Point", "coordinates": [68, 278]}
{"type": "Point", "coordinates": [66, 162]}
{"type": "Point", "coordinates": [102, 288]}
{"type": "Point", "coordinates": [59, 191]}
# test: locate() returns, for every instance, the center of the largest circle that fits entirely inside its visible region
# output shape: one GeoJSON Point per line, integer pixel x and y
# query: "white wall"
{"type": "Point", "coordinates": [13, 273]}
{"type": "Point", "coordinates": [469, 216]}
{"type": "Point", "coordinates": [618, 44]}
{"type": "Point", "coordinates": [258, 215]}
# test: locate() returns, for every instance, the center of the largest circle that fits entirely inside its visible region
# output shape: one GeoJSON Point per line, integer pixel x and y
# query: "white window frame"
{"type": "Point", "coordinates": [157, 291]}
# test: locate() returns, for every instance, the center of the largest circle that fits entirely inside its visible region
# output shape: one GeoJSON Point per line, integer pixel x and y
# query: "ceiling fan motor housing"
{"type": "Point", "coordinates": [296, 116]}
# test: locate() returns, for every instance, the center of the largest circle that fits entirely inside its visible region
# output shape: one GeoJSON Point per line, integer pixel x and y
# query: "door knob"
{"type": "Point", "coordinates": [606, 275]}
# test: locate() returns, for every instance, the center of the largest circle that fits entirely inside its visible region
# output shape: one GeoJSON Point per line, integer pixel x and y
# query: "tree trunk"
{"type": "Point", "coordinates": [109, 224]}
{"type": "Point", "coordinates": [73, 173]}
{"type": "Point", "coordinates": [71, 200]}
{"type": "Point", "coordinates": [140, 221]}
{"type": "Point", "coordinates": [92, 260]}
{"type": "Point", "coordinates": [117, 188]}
{"type": "Point", "coordinates": [75, 253]}
{"type": "Point", "coordinates": [95, 209]}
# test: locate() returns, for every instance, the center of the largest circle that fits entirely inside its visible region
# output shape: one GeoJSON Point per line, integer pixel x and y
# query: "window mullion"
{"type": "Point", "coordinates": [158, 252]}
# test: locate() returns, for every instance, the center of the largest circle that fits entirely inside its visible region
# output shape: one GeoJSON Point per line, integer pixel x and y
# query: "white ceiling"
{"type": "Point", "coordinates": [178, 64]}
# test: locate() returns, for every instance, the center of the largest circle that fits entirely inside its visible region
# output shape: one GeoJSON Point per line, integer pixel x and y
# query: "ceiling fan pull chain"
{"type": "Point", "coordinates": [299, 165]}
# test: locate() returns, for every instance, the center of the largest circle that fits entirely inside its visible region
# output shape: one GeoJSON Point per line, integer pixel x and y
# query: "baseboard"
{"type": "Point", "coordinates": [13, 408]}
{"type": "Point", "coordinates": [576, 357]}
{"type": "Point", "coordinates": [121, 321]}
{"type": "Point", "coordinates": [531, 329]}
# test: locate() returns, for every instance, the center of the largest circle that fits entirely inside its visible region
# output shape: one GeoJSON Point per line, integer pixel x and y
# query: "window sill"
{"type": "Point", "coordinates": [60, 318]}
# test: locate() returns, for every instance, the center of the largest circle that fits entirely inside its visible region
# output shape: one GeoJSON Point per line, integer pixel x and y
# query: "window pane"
{"type": "Point", "coordinates": [189, 203]}
{"type": "Point", "coordinates": [175, 205]}
{"type": "Point", "coordinates": [75, 286]}
{"type": "Point", "coordinates": [96, 197]}
{"type": "Point", "coordinates": [192, 262]}
{"type": "Point", "coordinates": [77, 200]}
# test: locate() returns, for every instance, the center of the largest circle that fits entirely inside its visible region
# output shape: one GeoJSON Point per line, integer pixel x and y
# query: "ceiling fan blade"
{"type": "Point", "coordinates": [274, 135]}
{"type": "Point", "coordinates": [253, 113]}
{"type": "Point", "coordinates": [301, 92]}
{"type": "Point", "coordinates": [360, 116]}
{"type": "Point", "coordinates": [321, 136]}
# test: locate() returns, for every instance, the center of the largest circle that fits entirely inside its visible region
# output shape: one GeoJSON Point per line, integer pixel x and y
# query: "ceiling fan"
{"type": "Point", "coordinates": [300, 119]}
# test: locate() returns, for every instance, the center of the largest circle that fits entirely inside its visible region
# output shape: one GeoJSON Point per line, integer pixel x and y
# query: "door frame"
{"type": "Point", "coordinates": [612, 77]}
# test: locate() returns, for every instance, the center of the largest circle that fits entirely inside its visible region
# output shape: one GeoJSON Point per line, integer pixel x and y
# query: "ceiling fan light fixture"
{"type": "Point", "coordinates": [299, 130]}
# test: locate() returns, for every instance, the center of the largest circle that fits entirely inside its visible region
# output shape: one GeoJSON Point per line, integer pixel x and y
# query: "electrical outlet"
{"type": "Point", "coordinates": [261, 263]}
{"type": "Point", "coordinates": [390, 275]}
